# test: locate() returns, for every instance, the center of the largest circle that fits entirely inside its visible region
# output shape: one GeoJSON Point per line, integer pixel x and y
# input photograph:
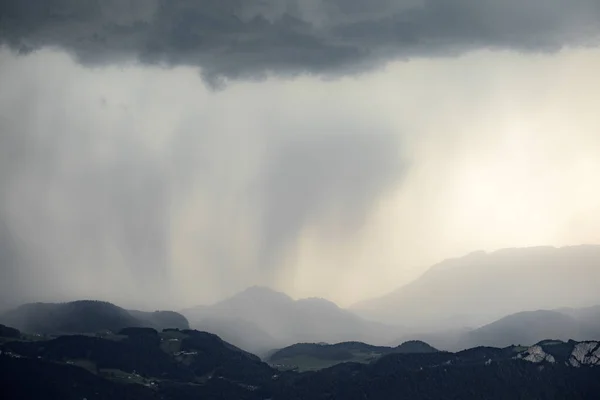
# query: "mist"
{"type": "Point", "coordinates": [155, 170]}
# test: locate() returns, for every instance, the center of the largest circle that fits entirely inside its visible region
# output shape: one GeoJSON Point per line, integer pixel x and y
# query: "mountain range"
{"type": "Point", "coordinates": [481, 287]}
{"type": "Point", "coordinates": [315, 356]}
{"type": "Point", "coordinates": [512, 296]}
{"type": "Point", "coordinates": [456, 304]}
{"type": "Point", "coordinates": [144, 364]}
{"type": "Point", "coordinates": [532, 326]}
{"type": "Point", "coordinates": [271, 319]}
{"type": "Point", "coordinates": [478, 341]}
{"type": "Point", "coordinates": [86, 316]}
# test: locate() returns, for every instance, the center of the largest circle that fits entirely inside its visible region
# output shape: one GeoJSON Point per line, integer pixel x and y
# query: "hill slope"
{"type": "Point", "coordinates": [86, 316]}
{"type": "Point", "coordinates": [480, 288]}
{"type": "Point", "coordinates": [315, 356]}
{"type": "Point", "coordinates": [144, 364]}
{"type": "Point", "coordinates": [530, 327]}
{"type": "Point", "coordinates": [275, 320]}
{"type": "Point", "coordinates": [524, 328]}
{"type": "Point", "coordinates": [549, 370]}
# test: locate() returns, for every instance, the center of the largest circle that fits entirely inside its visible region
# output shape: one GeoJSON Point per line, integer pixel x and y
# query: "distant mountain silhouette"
{"type": "Point", "coordinates": [527, 328]}
{"type": "Point", "coordinates": [441, 339]}
{"type": "Point", "coordinates": [271, 315]}
{"type": "Point", "coordinates": [524, 328]}
{"type": "Point", "coordinates": [86, 316]}
{"type": "Point", "coordinates": [481, 287]}
{"type": "Point", "coordinates": [416, 347]}
{"type": "Point", "coordinates": [161, 319]}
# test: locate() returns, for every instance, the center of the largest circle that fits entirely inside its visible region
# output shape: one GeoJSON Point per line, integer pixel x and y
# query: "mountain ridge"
{"type": "Point", "coordinates": [144, 364]}
{"type": "Point", "coordinates": [487, 286]}
{"type": "Point", "coordinates": [86, 316]}
{"type": "Point", "coordinates": [286, 320]}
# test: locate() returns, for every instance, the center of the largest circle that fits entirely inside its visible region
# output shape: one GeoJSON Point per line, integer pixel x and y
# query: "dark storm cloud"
{"type": "Point", "coordinates": [310, 177]}
{"type": "Point", "coordinates": [236, 39]}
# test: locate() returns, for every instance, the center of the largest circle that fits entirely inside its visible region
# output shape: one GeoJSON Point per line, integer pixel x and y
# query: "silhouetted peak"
{"type": "Point", "coordinates": [261, 293]}
{"type": "Point", "coordinates": [451, 263]}
{"type": "Point", "coordinates": [87, 316]}
{"type": "Point", "coordinates": [416, 346]}
{"type": "Point", "coordinates": [530, 317]}
{"type": "Point", "coordinates": [319, 302]}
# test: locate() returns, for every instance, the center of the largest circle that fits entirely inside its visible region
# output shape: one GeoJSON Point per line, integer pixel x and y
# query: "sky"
{"type": "Point", "coordinates": [163, 154]}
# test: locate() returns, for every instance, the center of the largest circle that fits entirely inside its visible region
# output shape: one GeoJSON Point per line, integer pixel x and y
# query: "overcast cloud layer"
{"type": "Point", "coordinates": [242, 38]}
{"type": "Point", "coordinates": [124, 180]}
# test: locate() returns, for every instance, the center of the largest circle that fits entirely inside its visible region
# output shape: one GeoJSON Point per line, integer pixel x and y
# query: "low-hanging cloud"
{"type": "Point", "coordinates": [250, 38]}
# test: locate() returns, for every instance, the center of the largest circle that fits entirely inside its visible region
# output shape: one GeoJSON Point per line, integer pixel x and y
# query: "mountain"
{"type": "Point", "coordinates": [548, 370]}
{"type": "Point", "coordinates": [86, 316]}
{"type": "Point", "coordinates": [274, 318]}
{"type": "Point", "coordinates": [179, 360]}
{"type": "Point", "coordinates": [160, 319]}
{"type": "Point", "coordinates": [315, 356]}
{"type": "Point", "coordinates": [143, 364]}
{"type": "Point", "coordinates": [415, 347]}
{"type": "Point", "coordinates": [481, 287]}
{"type": "Point", "coordinates": [530, 327]}
{"type": "Point", "coordinates": [446, 340]}
{"type": "Point", "coordinates": [524, 328]}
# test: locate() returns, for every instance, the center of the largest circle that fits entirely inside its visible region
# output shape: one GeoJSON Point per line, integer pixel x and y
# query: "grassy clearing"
{"type": "Point", "coordinates": [118, 375]}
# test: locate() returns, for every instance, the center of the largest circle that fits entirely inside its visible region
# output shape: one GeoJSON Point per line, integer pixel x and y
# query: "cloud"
{"type": "Point", "coordinates": [236, 39]}
{"type": "Point", "coordinates": [310, 177]}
